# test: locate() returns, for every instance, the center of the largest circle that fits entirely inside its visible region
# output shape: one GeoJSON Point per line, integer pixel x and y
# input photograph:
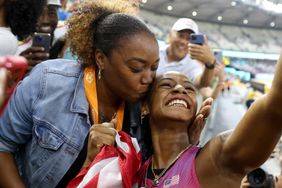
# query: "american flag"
{"type": "Point", "coordinates": [113, 167]}
{"type": "Point", "coordinates": [170, 182]}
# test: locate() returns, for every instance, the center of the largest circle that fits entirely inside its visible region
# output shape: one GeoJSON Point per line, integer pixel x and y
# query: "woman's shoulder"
{"type": "Point", "coordinates": [62, 67]}
{"type": "Point", "coordinates": [54, 73]}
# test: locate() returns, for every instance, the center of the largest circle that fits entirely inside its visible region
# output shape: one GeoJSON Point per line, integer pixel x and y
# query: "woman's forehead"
{"type": "Point", "coordinates": [174, 75]}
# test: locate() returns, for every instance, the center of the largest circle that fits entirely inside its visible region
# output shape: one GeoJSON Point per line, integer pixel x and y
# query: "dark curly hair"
{"type": "Point", "coordinates": [22, 15]}
{"type": "Point", "coordinates": [101, 25]}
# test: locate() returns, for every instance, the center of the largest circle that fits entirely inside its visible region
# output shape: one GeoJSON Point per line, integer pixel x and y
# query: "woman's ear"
{"type": "Point", "coordinates": [100, 59]}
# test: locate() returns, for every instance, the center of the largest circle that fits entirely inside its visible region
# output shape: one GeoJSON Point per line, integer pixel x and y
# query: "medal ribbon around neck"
{"type": "Point", "coordinates": [92, 98]}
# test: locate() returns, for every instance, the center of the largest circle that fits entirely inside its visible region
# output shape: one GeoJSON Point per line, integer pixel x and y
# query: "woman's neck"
{"type": "Point", "coordinates": [169, 139]}
{"type": "Point", "coordinates": [108, 102]}
{"type": "Point", "coordinates": [169, 54]}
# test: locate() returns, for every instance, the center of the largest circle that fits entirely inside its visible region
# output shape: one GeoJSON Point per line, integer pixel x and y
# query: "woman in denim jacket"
{"type": "Point", "coordinates": [44, 128]}
{"type": "Point", "coordinates": [44, 131]}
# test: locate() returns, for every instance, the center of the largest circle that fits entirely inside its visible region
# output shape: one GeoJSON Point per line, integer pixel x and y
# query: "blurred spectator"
{"type": "Point", "coordinates": [213, 92]}
{"type": "Point", "coordinates": [227, 86]}
{"type": "Point", "coordinates": [47, 23]}
{"type": "Point", "coordinates": [181, 55]}
{"type": "Point", "coordinates": [63, 13]}
{"type": "Point", "coordinates": [17, 19]}
{"type": "Point", "coordinates": [251, 96]}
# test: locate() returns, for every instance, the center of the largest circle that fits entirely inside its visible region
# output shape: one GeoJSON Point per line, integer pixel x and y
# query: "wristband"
{"type": "Point", "coordinates": [210, 66]}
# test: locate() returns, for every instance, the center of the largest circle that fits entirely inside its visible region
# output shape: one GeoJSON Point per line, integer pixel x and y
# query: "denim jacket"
{"type": "Point", "coordinates": [47, 121]}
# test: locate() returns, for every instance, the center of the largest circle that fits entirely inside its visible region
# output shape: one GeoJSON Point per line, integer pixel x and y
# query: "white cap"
{"type": "Point", "coordinates": [185, 23]}
{"type": "Point", "coordinates": [54, 2]}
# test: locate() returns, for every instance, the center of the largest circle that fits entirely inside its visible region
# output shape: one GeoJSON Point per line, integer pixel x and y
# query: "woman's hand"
{"type": "Point", "coordinates": [245, 183]}
{"type": "Point", "coordinates": [99, 135]}
{"type": "Point", "coordinates": [196, 128]}
{"type": "Point", "coordinates": [219, 72]}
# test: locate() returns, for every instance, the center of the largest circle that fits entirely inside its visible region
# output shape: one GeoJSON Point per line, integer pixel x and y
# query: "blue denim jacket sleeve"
{"type": "Point", "coordinates": [16, 122]}
{"type": "Point", "coordinates": [46, 122]}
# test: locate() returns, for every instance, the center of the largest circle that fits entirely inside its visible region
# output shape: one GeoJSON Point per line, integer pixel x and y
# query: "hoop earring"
{"type": "Point", "coordinates": [143, 115]}
{"type": "Point", "coordinates": [99, 74]}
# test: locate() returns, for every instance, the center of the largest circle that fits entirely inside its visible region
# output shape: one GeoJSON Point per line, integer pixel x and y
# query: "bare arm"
{"type": "Point", "coordinates": [205, 78]}
{"type": "Point", "coordinates": [217, 89]}
{"type": "Point", "coordinates": [219, 72]}
{"type": "Point", "coordinates": [8, 172]}
{"type": "Point", "coordinates": [213, 92]}
{"type": "Point", "coordinates": [252, 141]}
{"type": "Point", "coordinates": [203, 54]}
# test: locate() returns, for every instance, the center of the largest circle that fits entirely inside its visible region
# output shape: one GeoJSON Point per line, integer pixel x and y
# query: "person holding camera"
{"type": "Point", "coordinates": [17, 21]}
{"type": "Point", "coordinates": [185, 51]}
{"type": "Point", "coordinates": [32, 49]}
{"type": "Point", "coordinates": [258, 178]}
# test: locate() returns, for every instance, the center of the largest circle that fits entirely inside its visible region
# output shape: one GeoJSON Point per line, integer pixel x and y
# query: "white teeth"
{"type": "Point", "coordinates": [46, 28]}
{"type": "Point", "coordinates": [181, 47]}
{"type": "Point", "coordinates": [178, 102]}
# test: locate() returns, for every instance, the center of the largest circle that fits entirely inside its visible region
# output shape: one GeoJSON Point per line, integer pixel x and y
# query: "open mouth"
{"type": "Point", "coordinates": [181, 47]}
{"type": "Point", "coordinates": [46, 29]}
{"type": "Point", "coordinates": [179, 103]}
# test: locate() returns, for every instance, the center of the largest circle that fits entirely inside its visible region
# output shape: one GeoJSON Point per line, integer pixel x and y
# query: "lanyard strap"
{"type": "Point", "coordinates": [92, 98]}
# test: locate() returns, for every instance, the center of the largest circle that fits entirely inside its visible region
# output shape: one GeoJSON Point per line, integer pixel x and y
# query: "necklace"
{"type": "Point", "coordinates": [157, 177]}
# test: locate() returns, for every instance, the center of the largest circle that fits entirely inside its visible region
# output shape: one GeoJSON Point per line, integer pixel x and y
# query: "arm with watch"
{"type": "Point", "coordinates": [204, 54]}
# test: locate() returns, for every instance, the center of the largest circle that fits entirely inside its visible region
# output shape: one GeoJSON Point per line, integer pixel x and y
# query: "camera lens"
{"type": "Point", "coordinates": [194, 37]}
{"type": "Point", "coordinates": [257, 177]}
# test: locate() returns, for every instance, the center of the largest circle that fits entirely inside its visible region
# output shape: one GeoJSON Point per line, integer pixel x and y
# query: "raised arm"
{"type": "Point", "coordinates": [204, 54]}
{"type": "Point", "coordinates": [251, 143]}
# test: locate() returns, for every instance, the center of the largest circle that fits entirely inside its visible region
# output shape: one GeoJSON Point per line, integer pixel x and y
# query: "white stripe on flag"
{"type": "Point", "coordinates": [95, 169]}
{"type": "Point", "coordinates": [110, 175]}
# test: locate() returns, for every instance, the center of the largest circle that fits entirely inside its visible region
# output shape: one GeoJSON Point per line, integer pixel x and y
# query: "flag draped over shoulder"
{"type": "Point", "coordinates": [113, 167]}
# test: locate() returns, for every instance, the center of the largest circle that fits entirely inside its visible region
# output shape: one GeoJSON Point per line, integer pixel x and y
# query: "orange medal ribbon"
{"type": "Point", "coordinates": [92, 98]}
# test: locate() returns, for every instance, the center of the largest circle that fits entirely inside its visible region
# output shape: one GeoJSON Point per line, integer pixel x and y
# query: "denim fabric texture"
{"type": "Point", "coordinates": [46, 122]}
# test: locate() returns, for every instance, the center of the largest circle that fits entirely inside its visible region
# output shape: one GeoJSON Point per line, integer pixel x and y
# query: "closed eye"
{"type": "Point", "coordinates": [190, 88]}
{"type": "Point", "coordinates": [136, 70]}
{"type": "Point", "coordinates": [166, 85]}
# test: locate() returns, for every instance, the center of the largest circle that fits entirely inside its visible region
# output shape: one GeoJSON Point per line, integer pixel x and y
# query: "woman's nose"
{"type": "Point", "coordinates": [148, 77]}
{"type": "Point", "coordinates": [179, 89]}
